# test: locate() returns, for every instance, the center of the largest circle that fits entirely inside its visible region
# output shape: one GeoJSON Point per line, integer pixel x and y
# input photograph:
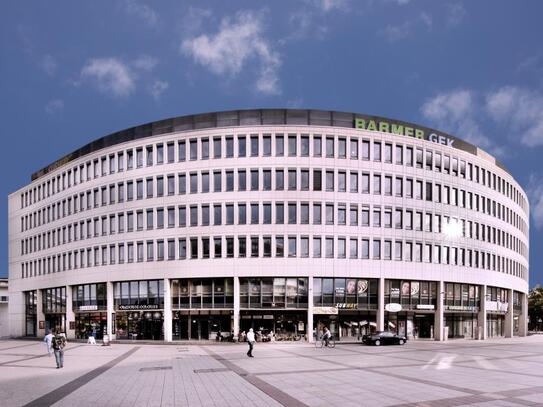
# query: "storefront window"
{"type": "Point", "coordinates": [411, 294]}
{"type": "Point", "coordinates": [202, 293]}
{"type": "Point", "coordinates": [273, 292]}
{"type": "Point", "coordinates": [350, 293]}
{"type": "Point", "coordinates": [31, 299]}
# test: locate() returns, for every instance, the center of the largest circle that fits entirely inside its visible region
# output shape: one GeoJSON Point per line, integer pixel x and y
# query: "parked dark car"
{"type": "Point", "coordinates": [384, 338]}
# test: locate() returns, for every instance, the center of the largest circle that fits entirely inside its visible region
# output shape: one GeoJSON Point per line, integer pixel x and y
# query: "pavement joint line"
{"type": "Point", "coordinates": [19, 346]}
{"type": "Point", "coordinates": [58, 394]}
{"type": "Point", "coordinates": [276, 394]}
{"type": "Point", "coordinates": [35, 357]}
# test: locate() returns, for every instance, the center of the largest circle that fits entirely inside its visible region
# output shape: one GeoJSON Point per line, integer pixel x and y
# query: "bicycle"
{"type": "Point", "coordinates": [321, 342]}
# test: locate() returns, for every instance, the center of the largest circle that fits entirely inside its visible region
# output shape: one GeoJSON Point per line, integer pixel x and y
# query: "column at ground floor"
{"type": "Point", "coordinates": [310, 335]}
{"type": "Point", "coordinates": [482, 334]}
{"type": "Point", "coordinates": [167, 311]}
{"type": "Point", "coordinates": [381, 305]}
{"type": "Point", "coordinates": [110, 310]}
{"type": "Point", "coordinates": [440, 333]}
{"type": "Point", "coordinates": [40, 316]}
{"type": "Point", "coordinates": [70, 315]}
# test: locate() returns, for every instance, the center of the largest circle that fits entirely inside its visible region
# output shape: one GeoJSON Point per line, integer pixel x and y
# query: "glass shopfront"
{"type": "Point", "coordinates": [280, 301]}
{"type": "Point", "coordinates": [202, 308]}
{"type": "Point", "coordinates": [139, 309]}
{"type": "Point", "coordinates": [410, 307]}
{"type": "Point", "coordinates": [54, 308]}
{"type": "Point", "coordinates": [31, 300]}
{"type": "Point", "coordinates": [88, 300]}
{"type": "Point", "coordinates": [347, 306]}
{"type": "Point", "coordinates": [461, 307]}
{"type": "Point", "coordinates": [497, 305]}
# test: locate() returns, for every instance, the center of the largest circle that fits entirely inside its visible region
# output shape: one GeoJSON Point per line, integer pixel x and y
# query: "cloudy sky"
{"type": "Point", "coordinates": [71, 72]}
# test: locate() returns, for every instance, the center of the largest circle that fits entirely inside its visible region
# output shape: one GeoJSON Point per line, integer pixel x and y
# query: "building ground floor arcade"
{"type": "Point", "coordinates": [281, 308]}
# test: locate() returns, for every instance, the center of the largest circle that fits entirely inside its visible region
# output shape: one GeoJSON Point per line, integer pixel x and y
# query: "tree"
{"type": "Point", "coordinates": [535, 308]}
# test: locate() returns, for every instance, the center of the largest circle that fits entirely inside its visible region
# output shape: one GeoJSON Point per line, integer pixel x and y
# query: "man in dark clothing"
{"type": "Point", "coordinates": [59, 342]}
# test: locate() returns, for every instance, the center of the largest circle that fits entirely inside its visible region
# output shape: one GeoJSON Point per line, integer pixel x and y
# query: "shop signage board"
{"type": "Point", "coordinates": [325, 311]}
{"type": "Point", "coordinates": [88, 308]}
{"type": "Point", "coordinates": [426, 306]}
{"type": "Point", "coordinates": [343, 305]}
{"type": "Point", "coordinates": [468, 308]}
{"type": "Point", "coordinates": [393, 307]}
{"type": "Point", "coordinates": [137, 307]}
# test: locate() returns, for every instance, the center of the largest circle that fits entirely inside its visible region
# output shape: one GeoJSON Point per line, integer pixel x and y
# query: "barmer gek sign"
{"type": "Point", "coordinates": [401, 130]}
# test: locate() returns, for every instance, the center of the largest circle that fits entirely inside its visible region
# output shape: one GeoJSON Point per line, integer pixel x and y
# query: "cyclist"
{"type": "Point", "coordinates": [326, 335]}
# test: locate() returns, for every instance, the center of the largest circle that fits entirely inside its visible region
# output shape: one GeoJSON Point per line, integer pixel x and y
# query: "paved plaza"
{"type": "Point", "coordinates": [505, 372]}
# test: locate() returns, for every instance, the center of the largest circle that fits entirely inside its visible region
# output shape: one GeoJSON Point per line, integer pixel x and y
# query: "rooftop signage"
{"type": "Point", "coordinates": [401, 129]}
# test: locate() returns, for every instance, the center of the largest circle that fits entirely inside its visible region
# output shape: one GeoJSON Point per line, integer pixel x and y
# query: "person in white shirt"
{"type": "Point", "coordinates": [48, 342]}
{"type": "Point", "coordinates": [251, 340]}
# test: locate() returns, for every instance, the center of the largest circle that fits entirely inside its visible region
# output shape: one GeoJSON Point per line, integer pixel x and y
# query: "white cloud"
{"type": "Point", "coordinates": [54, 106]}
{"type": "Point", "coordinates": [145, 63]}
{"type": "Point", "coordinates": [110, 75]}
{"type": "Point", "coordinates": [427, 19]}
{"type": "Point", "coordinates": [457, 112]}
{"type": "Point", "coordinates": [49, 64]}
{"type": "Point", "coordinates": [535, 194]}
{"type": "Point", "coordinates": [193, 19]}
{"type": "Point", "coordinates": [157, 88]}
{"type": "Point", "coordinates": [143, 11]}
{"type": "Point", "coordinates": [237, 43]}
{"type": "Point", "coordinates": [330, 5]}
{"type": "Point", "coordinates": [455, 14]}
{"type": "Point", "coordinates": [394, 33]}
{"type": "Point", "coordinates": [519, 109]}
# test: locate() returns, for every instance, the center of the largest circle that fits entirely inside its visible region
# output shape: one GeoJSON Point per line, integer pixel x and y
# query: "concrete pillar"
{"type": "Point", "coordinates": [523, 317]}
{"type": "Point", "coordinates": [309, 325]}
{"type": "Point", "coordinates": [236, 306]}
{"type": "Point", "coordinates": [110, 310]}
{"type": "Point", "coordinates": [167, 311]}
{"type": "Point", "coordinates": [439, 316]}
{"type": "Point", "coordinates": [381, 305]}
{"type": "Point", "coordinates": [40, 316]}
{"type": "Point", "coordinates": [482, 313]}
{"type": "Point", "coordinates": [70, 314]}
{"type": "Point", "coordinates": [509, 322]}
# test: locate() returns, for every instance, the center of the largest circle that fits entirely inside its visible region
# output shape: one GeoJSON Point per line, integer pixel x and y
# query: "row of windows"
{"type": "Point", "coordinates": [267, 213]}
{"type": "Point", "coordinates": [261, 180]}
{"type": "Point", "coordinates": [272, 246]}
{"type": "Point", "coordinates": [260, 145]}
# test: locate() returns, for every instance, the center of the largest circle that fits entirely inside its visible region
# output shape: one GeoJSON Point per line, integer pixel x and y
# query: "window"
{"type": "Point", "coordinates": [329, 180]}
{"type": "Point", "coordinates": [376, 184]}
{"type": "Point", "coordinates": [242, 146]}
{"type": "Point", "coordinates": [292, 213]}
{"type": "Point", "coordinates": [193, 182]}
{"type": "Point", "coordinates": [342, 181]}
{"type": "Point", "coordinates": [242, 214]}
{"type": "Point", "coordinates": [217, 181]}
{"type": "Point", "coordinates": [193, 144]}
{"type": "Point", "coordinates": [242, 180]}
{"type": "Point", "coordinates": [317, 213]}
{"type": "Point", "coordinates": [279, 213]}
{"type": "Point", "coordinates": [354, 148]}
{"type": "Point", "coordinates": [217, 147]}
{"type": "Point", "coordinates": [181, 150]}
{"type": "Point", "coordinates": [316, 246]}
{"type": "Point", "coordinates": [342, 147]}
{"type": "Point", "coordinates": [254, 145]}
{"type": "Point", "coordinates": [365, 183]}
{"type": "Point", "coordinates": [317, 145]}
{"type": "Point", "coordinates": [217, 214]}
{"type": "Point", "coordinates": [330, 147]}
{"type": "Point", "coordinates": [376, 151]}
{"type": "Point", "coordinates": [376, 249]}
{"type": "Point", "coordinates": [170, 153]}
{"type": "Point", "coordinates": [279, 246]}
{"type": "Point", "coordinates": [266, 145]}
{"type": "Point", "coordinates": [329, 213]}
{"type": "Point", "coordinates": [317, 180]}
{"type": "Point", "coordinates": [329, 247]}
{"type": "Point", "coordinates": [388, 153]}
{"type": "Point", "coordinates": [292, 180]}
{"type": "Point", "coordinates": [292, 246]}
{"type": "Point", "coordinates": [399, 154]}
{"type": "Point", "coordinates": [279, 179]}
{"type": "Point", "coordinates": [205, 148]}
{"type": "Point", "coordinates": [254, 180]}
{"type": "Point", "coordinates": [279, 145]}
{"type": "Point", "coordinates": [304, 145]}
{"type": "Point", "coordinates": [353, 181]}
{"type": "Point", "coordinates": [254, 214]}
{"type": "Point", "coordinates": [229, 146]}
{"type": "Point", "coordinates": [292, 141]}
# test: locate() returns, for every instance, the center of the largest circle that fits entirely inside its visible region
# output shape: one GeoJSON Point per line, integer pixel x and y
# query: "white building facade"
{"type": "Point", "coordinates": [282, 220]}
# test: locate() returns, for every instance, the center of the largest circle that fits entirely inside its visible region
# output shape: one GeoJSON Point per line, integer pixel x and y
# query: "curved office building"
{"type": "Point", "coordinates": [278, 219]}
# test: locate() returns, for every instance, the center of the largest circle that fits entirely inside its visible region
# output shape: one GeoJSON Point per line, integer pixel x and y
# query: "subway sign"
{"type": "Point", "coordinates": [401, 129]}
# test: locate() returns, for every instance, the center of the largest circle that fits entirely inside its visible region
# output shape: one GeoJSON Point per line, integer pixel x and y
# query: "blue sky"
{"type": "Point", "coordinates": [71, 72]}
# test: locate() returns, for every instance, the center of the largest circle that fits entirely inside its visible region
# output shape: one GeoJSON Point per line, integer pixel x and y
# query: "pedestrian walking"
{"type": "Point", "coordinates": [251, 340]}
{"type": "Point", "coordinates": [59, 342]}
{"type": "Point", "coordinates": [48, 339]}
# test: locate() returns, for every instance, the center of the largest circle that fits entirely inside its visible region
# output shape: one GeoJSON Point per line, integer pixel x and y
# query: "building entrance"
{"type": "Point", "coordinates": [55, 322]}
{"type": "Point", "coordinates": [201, 326]}
{"type": "Point", "coordinates": [281, 325]}
{"type": "Point", "coordinates": [148, 325]}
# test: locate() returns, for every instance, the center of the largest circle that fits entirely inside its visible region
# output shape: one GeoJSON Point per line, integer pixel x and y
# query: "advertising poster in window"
{"type": "Point", "coordinates": [362, 287]}
{"type": "Point", "coordinates": [351, 286]}
{"type": "Point", "coordinates": [406, 290]}
{"type": "Point", "coordinates": [415, 286]}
